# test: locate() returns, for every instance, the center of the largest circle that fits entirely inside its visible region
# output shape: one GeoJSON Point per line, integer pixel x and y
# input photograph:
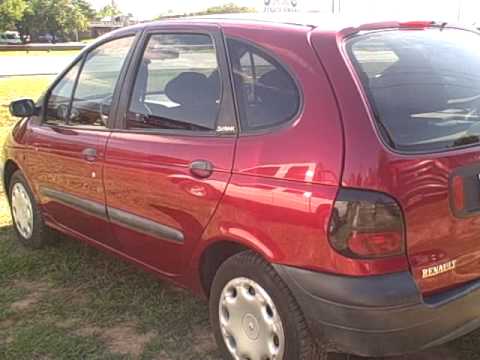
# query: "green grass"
{"type": "Point", "coordinates": [70, 301]}
{"type": "Point", "coordinates": [39, 53]}
{"type": "Point", "coordinates": [12, 88]}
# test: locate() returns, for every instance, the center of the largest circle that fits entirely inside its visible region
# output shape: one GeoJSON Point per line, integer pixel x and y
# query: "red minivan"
{"type": "Point", "coordinates": [317, 181]}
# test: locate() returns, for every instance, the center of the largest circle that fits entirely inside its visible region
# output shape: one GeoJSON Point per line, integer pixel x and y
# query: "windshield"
{"type": "Point", "coordinates": [423, 85]}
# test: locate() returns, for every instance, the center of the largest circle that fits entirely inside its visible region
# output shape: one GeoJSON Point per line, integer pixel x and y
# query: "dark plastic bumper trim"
{"type": "Point", "coordinates": [381, 315]}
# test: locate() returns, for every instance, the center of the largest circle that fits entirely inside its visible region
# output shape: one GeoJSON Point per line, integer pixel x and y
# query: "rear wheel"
{"type": "Point", "coordinates": [27, 217]}
{"type": "Point", "coordinates": [254, 315]}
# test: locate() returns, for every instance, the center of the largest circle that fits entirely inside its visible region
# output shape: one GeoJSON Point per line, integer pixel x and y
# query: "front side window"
{"type": "Point", "coordinates": [177, 86]}
{"type": "Point", "coordinates": [424, 86]}
{"type": "Point", "coordinates": [92, 89]}
{"type": "Point", "coordinates": [58, 104]}
{"type": "Point", "coordinates": [266, 93]}
{"type": "Point", "coordinates": [96, 84]}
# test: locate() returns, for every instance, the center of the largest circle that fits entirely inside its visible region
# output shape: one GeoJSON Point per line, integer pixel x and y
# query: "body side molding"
{"type": "Point", "coordinates": [116, 216]}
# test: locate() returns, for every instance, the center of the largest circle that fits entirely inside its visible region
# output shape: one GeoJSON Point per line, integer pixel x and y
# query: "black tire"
{"type": "Point", "coordinates": [41, 235]}
{"type": "Point", "coordinates": [299, 343]}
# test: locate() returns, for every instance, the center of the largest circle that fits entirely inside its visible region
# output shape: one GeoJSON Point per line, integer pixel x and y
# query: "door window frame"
{"type": "Point", "coordinates": [226, 116]}
{"type": "Point", "coordinates": [80, 59]}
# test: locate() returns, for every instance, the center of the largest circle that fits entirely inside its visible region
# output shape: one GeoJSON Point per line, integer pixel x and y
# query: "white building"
{"type": "Point", "coordinates": [464, 11]}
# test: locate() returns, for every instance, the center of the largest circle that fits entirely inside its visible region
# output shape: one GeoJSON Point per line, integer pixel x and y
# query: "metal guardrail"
{"type": "Point", "coordinates": [42, 47]}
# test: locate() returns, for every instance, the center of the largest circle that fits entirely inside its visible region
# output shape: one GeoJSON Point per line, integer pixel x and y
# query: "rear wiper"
{"type": "Point", "coordinates": [466, 140]}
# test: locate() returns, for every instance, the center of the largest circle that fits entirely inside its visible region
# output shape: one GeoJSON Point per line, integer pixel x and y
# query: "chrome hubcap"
{"type": "Point", "coordinates": [22, 210]}
{"type": "Point", "coordinates": [250, 323]}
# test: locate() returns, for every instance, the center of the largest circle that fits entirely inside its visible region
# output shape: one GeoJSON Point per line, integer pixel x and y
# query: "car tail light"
{"type": "Point", "coordinates": [367, 225]}
{"type": "Point", "coordinates": [458, 193]}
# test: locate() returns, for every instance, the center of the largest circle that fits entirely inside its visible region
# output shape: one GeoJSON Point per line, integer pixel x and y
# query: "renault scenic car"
{"type": "Point", "coordinates": [317, 181]}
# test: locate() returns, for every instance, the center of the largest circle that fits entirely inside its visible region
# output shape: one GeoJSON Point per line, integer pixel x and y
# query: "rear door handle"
{"type": "Point", "coordinates": [90, 154]}
{"type": "Point", "coordinates": [201, 168]}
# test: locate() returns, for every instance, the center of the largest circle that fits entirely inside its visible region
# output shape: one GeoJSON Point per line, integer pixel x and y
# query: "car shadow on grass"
{"type": "Point", "coordinates": [71, 301]}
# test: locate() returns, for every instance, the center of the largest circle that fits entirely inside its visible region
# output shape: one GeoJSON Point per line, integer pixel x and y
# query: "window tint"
{"type": "Point", "coordinates": [266, 93]}
{"type": "Point", "coordinates": [96, 83]}
{"type": "Point", "coordinates": [59, 100]}
{"type": "Point", "coordinates": [177, 85]}
{"type": "Point", "coordinates": [423, 85]}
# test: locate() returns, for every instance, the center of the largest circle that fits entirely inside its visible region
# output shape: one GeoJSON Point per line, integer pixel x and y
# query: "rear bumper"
{"type": "Point", "coordinates": [381, 315]}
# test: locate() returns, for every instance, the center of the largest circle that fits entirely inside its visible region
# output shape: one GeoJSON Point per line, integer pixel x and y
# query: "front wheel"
{"type": "Point", "coordinates": [254, 315]}
{"type": "Point", "coordinates": [27, 217]}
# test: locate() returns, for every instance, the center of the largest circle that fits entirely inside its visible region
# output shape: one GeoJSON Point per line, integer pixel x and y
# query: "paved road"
{"type": "Point", "coordinates": [33, 64]}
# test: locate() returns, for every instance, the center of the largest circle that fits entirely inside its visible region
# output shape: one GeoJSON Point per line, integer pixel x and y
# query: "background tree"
{"type": "Point", "coordinates": [11, 11]}
{"type": "Point", "coordinates": [85, 8]}
{"type": "Point", "coordinates": [25, 23]}
{"type": "Point", "coordinates": [230, 8]}
{"type": "Point", "coordinates": [55, 17]}
{"type": "Point", "coordinates": [110, 10]}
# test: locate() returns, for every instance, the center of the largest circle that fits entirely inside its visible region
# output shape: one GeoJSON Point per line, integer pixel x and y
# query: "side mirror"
{"type": "Point", "coordinates": [23, 108]}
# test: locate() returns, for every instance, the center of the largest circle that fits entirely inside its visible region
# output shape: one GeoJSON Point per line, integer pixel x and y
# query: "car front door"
{"type": "Point", "coordinates": [68, 146]}
{"type": "Point", "coordinates": [168, 163]}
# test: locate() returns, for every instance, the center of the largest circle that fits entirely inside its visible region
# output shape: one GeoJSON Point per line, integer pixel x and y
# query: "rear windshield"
{"type": "Point", "coordinates": [423, 85]}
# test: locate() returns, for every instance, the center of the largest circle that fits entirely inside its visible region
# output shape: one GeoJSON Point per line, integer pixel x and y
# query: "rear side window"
{"type": "Point", "coordinates": [266, 93]}
{"type": "Point", "coordinates": [424, 86]}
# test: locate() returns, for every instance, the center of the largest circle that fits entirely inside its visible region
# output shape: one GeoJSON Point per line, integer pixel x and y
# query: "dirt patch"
{"type": "Point", "coordinates": [36, 291]}
{"type": "Point", "coordinates": [26, 303]}
{"type": "Point", "coordinates": [5, 324]}
{"type": "Point", "coordinates": [122, 339]}
{"type": "Point", "coordinates": [162, 356]}
{"type": "Point", "coordinates": [88, 331]}
{"type": "Point", "coordinates": [203, 340]}
{"type": "Point", "coordinates": [32, 286]}
{"type": "Point", "coordinates": [66, 323]}
{"type": "Point", "coordinates": [126, 340]}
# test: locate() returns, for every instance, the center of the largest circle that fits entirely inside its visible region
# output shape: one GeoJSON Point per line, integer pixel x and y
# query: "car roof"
{"type": "Point", "coordinates": [312, 20]}
{"type": "Point", "coordinates": [320, 22]}
{"type": "Point", "coordinates": [286, 18]}
{"type": "Point", "coordinates": [308, 20]}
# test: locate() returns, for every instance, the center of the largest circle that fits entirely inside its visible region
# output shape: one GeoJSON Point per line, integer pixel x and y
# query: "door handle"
{"type": "Point", "coordinates": [90, 154]}
{"type": "Point", "coordinates": [201, 168]}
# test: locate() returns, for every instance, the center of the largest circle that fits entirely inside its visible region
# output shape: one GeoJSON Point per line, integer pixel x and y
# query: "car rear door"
{"type": "Point", "coordinates": [168, 163]}
{"type": "Point", "coordinates": [68, 146]}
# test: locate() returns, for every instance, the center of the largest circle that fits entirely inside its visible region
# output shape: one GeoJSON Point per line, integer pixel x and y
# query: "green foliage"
{"type": "Point", "coordinates": [109, 10]}
{"type": "Point", "coordinates": [230, 8]}
{"type": "Point", "coordinates": [10, 12]}
{"type": "Point", "coordinates": [85, 8]}
{"type": "Point", "coordinates": [57, 17]}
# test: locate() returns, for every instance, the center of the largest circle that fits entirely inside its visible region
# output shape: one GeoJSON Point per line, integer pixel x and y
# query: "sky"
{"type": "Point", "coordinates": [447, 10]}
